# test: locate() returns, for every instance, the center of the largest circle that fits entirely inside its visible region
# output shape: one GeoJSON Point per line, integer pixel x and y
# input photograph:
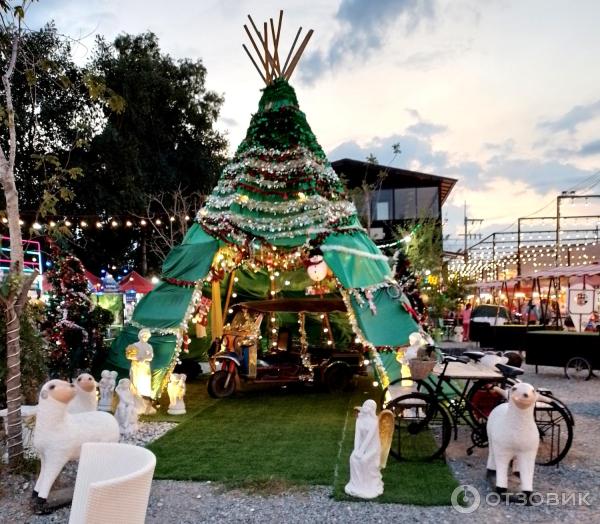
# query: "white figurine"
{"type": "Point", "coordinates": [106, 387]}
{"type": "Point", "coordinates": [127, 409]}
{"type": "Point", "coordinates": [417, 341]}
{"type": "Point", "coordinates": [58, 435]}
{"type": "Point", "coordinates": [372, 439]}
{"type": "Point", "coordinates": [176, 391]}
{"type": "Point", "coordinates": [141, 354]}
{"type": "Point", "coordinates": [86, 398]}
{"type": "Point", "coordinates": [513, 434]}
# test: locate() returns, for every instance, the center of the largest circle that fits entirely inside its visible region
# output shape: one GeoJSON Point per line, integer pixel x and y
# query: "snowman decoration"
{"type": "Point", "coordinates": [317, 270]}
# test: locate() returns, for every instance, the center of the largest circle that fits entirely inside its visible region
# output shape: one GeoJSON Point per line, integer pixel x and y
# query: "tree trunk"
{"type": "Point", "coordinates": [14, 437]}
{"type": "Point", "coordinates": [16, 292]}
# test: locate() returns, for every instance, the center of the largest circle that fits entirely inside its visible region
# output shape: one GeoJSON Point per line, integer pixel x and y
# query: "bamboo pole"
{"type": "Point", "coordinates": [294, 62]}
{"type": "Point", "coordinates": [262, 63]}
{"type": "Point", "coordinates": [291, 50]}
{"type": "Point", "coordinates": [228, 295]}
{"type": "Point", "coordinates": [255, 64]}
{"type": "Point", "coordinates": [268, 57]}
{"type": "Point", "coordinates": [216, 319]}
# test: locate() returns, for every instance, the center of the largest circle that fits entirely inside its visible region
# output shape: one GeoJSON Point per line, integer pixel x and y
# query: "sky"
{"type": "Point", "coordinates": [503, 95]}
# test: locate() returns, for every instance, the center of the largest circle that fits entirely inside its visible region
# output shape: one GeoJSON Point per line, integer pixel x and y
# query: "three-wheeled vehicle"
{"type": "Point", "coordinates": [288, 359]}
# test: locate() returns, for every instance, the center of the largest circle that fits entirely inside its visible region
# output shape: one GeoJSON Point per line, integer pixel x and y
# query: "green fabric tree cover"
{"type": "Point", "coordinates": [279, 192]}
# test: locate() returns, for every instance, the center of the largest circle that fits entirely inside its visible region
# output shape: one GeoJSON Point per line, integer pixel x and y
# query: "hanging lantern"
{"type": "Point", "coordinates": [317, 268]}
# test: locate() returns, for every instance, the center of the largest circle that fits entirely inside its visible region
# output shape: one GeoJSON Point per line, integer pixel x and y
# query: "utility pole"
{"type": "Point", "coordinates": [466, 234]}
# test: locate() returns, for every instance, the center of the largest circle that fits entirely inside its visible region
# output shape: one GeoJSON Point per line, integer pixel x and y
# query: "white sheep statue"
{"type": "Point", "coordinates": [58, 434]}
{"type": "Point", "coordinates": [86, 398]}
{"type": "Point", "coordinates": [513, 435]}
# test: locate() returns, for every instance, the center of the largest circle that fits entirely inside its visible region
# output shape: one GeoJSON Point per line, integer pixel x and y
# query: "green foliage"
{"type": "Point", "coordinates": [424, 249]}
{"type": "Point", "coordinates": [158, 137]}
{"type": "Point", "coordinates": [33, 367]}
{"type": "Point", "coordinates": [54, 116]}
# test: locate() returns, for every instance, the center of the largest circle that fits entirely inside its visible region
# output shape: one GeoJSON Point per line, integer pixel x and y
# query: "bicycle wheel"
{"type": "Point", "coordinates": [423, 427]}
{"type": "Point", "coordinates": [556, 433]}
{"type": "Point", "coordinates": [560, 404]}
{"type": "Point", "coordinates": [404, 386]}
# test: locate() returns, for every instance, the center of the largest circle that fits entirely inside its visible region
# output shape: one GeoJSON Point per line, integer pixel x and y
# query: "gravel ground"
{"type": "Point", "coordinates": [193, 502]}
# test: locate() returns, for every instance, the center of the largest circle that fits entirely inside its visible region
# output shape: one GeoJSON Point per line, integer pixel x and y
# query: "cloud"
{"type": "Point", "coordinates": [499, 190]}
{"type": "Point", "coordinates": [572, 118]}
{"type": "Point", "coordinates": [229, 122]}
{"type": "Point", "coordinates": [417, 153]}
{"type": "Point", "coordinates": [589, 149]}
{"type": "Point", "coordinates": [426, 129]}
{"type": "Point", "coordinates": [505, 148]}
{"type": "Point", "coordinates": [363, 29]}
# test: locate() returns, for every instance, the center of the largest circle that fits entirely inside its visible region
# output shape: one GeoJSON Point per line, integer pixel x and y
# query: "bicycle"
{"type": "Point", "coordinates": [429, 411]}
{"type": "Point", "coordinates": [426, 419]}
{"type": "Point", "coordinates": [554, 419]}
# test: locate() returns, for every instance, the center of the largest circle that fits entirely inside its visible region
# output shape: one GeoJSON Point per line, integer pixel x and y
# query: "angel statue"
{"type": "Point", "coordinates": [141, 354]}
{"type": "Point", "coordinates": [372, 441]}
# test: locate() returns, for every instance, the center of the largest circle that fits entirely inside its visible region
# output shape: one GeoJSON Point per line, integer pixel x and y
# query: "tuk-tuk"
{"type": "Point", "coordinates": [286, 359]}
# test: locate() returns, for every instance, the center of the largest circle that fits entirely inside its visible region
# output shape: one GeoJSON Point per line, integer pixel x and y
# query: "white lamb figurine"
{"type": "Point", "coordinates": [106, 386]}
{"type": "Point", "coordinates": [58, 434]}
{"type": "Point", "coordinates": [513, 435]}
{"type": "Point", "coordinates": [86, 398]}
{"type": "Point", "coordinates": [176, 391]}
{"type": "Point", "coordinates": [127, 409]}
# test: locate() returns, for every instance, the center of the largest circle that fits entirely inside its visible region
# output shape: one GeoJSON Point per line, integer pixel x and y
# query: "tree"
{"type": "Point", "coordinates": [423, 272]}
{"type": "Point", "coordinates": [16, 284]}
{"type": "Point", "coordinates": [169, 216]}
{"type": "Point", "coordinates": [60, 110]}
{"type": "Point", "coordinates": [164, 140]}
{"type": "Point", "coordinates": [74, 325]}
{"type": "Point", "coordinates": [24, 147]}
{"type": "Point", "coordinates": [368, 192]}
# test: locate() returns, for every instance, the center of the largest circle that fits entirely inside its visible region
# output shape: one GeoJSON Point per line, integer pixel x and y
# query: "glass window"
{"type": "Point", "coordinates": [427, 202]}
{"type": "Point", "coordinates": [405, 203]}
{"type": "Point", "coordinates": [383, 202]}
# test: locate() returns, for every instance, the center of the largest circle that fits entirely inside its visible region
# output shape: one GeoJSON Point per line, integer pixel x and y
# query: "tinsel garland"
{"type": "Point", "coordinates": [279, 184]}
{"type": "Point", "coordinates": [72, 333]}
{"type": "Point", "coordinates": [355, 252]}
{"type": "Point", "coordinates": [384, 379]}
{"type": "Point", "coordinates": [279, 122]}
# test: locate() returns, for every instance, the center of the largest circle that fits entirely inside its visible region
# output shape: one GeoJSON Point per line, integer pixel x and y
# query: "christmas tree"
{"type": "Point", "coordinates": [279, 188]}
{"type": "Point", "coordinates": [74, 326]}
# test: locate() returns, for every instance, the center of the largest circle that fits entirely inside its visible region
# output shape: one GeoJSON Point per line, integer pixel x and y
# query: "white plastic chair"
{"type": "Point", "coordinates": [113, 484]}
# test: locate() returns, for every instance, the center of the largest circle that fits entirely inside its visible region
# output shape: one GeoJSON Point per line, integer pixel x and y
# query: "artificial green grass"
{"type": "Point", "coordinates": [269, 435]}
{"type": "Point", "coordinates": [418, 483]}
{"type": "Point", "coordinates": [276, 436]}
{"type": "Point", "coordinates": [196, 399]}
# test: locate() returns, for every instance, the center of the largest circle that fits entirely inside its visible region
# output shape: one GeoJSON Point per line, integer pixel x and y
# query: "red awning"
{"type": "Point", "coordinates": [94, 281]}
{"type": "Point", "coordinates": [135, 282]}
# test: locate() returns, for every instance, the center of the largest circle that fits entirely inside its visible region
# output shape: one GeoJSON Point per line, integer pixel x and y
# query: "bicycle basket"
{"type": "Point", "coordinates": [420, 369]}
